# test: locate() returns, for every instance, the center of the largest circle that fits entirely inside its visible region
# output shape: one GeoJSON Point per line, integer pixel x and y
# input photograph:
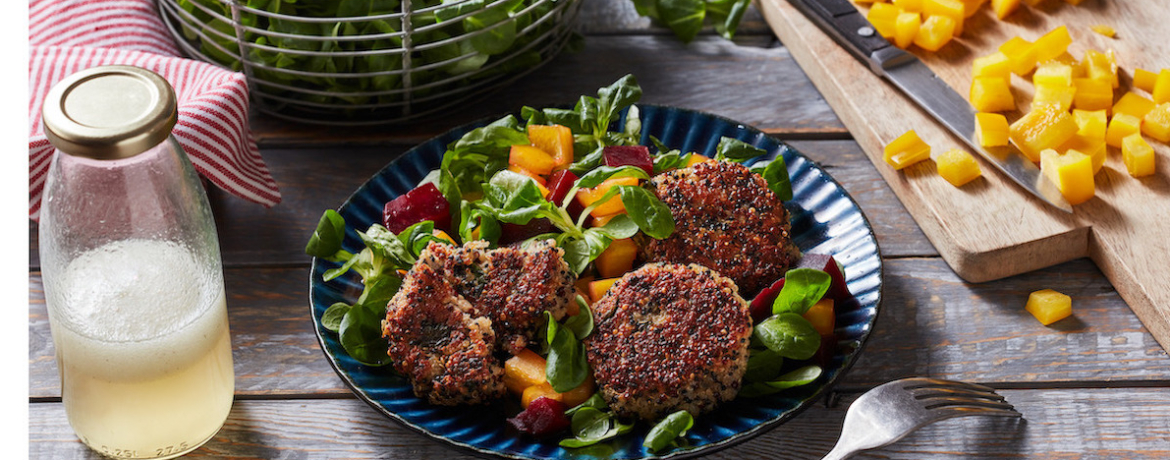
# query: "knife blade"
{"type": "Point", "coordinates": [845, 24]}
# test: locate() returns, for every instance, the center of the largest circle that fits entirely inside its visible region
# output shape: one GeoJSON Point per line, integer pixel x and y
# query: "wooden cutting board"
{"type": "Point", "coordinates": [990, 228]}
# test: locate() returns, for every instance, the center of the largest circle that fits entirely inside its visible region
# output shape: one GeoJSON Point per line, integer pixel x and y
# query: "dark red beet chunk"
{"type": "Point", "coordinates": [828, 349]}
{"type": "Point", "coordinates": [544, 416]}
{"type": "Point", "coordinates": [512, 233]}
{"type": "Point", "coordinates": [559, 183]}
{"type": "Point", "coordinates": [425, 202]}
{"type": "Point", "coordinates": [761, 306]}
{"type": "Point", "coordinates": [634, 155]}
{"type": "Point", "coordinates": [838, 291]}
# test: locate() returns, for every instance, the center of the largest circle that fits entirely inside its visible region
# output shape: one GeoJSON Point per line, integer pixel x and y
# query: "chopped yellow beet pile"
{"type": "Point", "coordinates": [1072, 122]}
{"type": "Point", "coordinates": [1049, 306]}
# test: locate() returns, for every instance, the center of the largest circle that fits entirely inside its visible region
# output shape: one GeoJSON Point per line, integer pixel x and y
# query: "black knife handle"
{"type": "Point", "coordinates": [851, 30]}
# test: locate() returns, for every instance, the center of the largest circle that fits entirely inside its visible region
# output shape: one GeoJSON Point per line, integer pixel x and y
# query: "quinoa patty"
{"type": "Point", "coordinates": [434, 340]}
{"type": "Point", "coordinates": [669, 337]}
{"type": "Point", "coordinates": [726, 219]}
{"type": "Point", "coordinates": [459, 307]}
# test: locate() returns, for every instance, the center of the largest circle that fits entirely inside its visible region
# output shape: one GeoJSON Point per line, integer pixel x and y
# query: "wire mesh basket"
{"type": "Point", "coordinates": [371, 61]}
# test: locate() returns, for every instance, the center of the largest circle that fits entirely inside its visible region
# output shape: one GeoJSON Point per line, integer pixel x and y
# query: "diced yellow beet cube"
{"type": "Point", "coordinates": [696, 159]}
{"type": "Point", "coordinates": [1094, 148]}
{"type": "Point", "coordinates": [1122, 125]}
{"type": "Point", "coordinates": [909, 5]}
{"type": "Point", "coordinates": [1133, 104]}
{"type": "Point", "coordinates": [535, 392]}
{"type": "Point", "coordinates": [991, 129]}
{"type": "Point", "coordinates": [935, 32]}
{"type": "Point", "coordinates": [1144, 80]}
{"type": "Point", "coordinates": [1049, 306]}
{"type": "Point", "coordinates": [868, 1]}
{"type": "Point", "coordinates": [1161, 92]}
{"type": "Point", "coordinates": [1100, 65]}
{"type": "Point", "coordinates": [1061, 96]}
{"type": "Point", "coordinates": [906, 28]}
{"type": "Point", "coordinates": [1092, 94]}
{"type": "Point", "coordinates": [1053, 73]}
{"type": "Point", "coordinates": [884, 17]}
{"type": "Point", "coordinates": [821, 316]}
{"type": "Point", "coordinates": [1091, 124]}
{"type": "Point", "coordinates": [1104, 30]}
{"type": "Point", "coordinates": [991, 94]}
{"type": "Point", "coordinates": [613, 205]}
{"type": "Point", "coordinates": [1021, 53]}
{"type": "Point", "coordinates": [524, 370]}
{"type": "Point", "coordinates": [617, 259]}
{"type": "Point", "coordinates": [1052, 44]}
{"type": "Point", "coordinates": [1156, 123]}
{"type": "Point", "coordinates": [1003, 8]}
{"type": "Point", "coordinates": [993, 65]}
{"type": "Point", "coordinates": [957, 167]}
{"type": "Point", "coordinates": [906, 150]}
{"type": "Point", "coordinates": [1138, 156]}
{"type": "Point", "coordinates": [1045, 127]}
{"type": "Point", "coordinates": [970, 7]}
{"type": "Point", "coordinates": [531, 158]}
{"type": "Point", "coordinates": [950, 8]}
{"type": "Point", "coordinates": [598, 288]}
{"type": "Point", "coordinates": [1072, 172]}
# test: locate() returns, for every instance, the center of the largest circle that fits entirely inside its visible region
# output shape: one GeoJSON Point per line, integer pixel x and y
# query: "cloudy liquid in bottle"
{"type": "Point", "coordinates": [141, 334]}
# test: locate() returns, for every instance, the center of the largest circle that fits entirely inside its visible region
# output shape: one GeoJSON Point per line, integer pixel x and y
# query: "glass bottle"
{"type": "Point", "coordinates": [131, 267]}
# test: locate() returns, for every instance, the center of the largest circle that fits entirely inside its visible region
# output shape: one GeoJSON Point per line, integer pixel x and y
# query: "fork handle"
{"type": "Point", "coordinates": [839, 452]}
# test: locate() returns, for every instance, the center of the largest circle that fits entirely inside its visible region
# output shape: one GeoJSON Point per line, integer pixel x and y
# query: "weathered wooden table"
{"type": "Point", "coordinates": [1093, 386]}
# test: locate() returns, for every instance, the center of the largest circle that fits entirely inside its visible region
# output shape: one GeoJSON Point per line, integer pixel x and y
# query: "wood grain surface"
{"type": "Point", "coordinates": [1128, 424]}
{"type": "Point", "coordinates": [991, 228]}
{"type": "Point", "coordinates": [1093, 386]}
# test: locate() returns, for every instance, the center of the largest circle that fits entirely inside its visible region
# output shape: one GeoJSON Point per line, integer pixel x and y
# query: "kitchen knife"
{"type": "Point", "coordinates": [852, 31]}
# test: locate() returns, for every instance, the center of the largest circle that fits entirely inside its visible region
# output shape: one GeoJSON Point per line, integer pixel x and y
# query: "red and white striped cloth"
{"type": "Point", "coordinates": [66, 36]}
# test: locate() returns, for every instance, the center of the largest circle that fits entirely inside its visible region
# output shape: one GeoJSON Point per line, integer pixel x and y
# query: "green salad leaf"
{"type": "Point", "coordinates": [789, 335]}
{"type": "Point", "coordinates": [667, 431]}
{"type": "Point", "coordinates": [565, 367]}
{"type": "Point", "coordinates": [686, 17]}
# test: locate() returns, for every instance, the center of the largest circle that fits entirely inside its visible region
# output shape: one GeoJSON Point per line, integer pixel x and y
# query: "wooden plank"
{"type": "Point", "coordinates": [312, 180]}
{"type": "Point", "coordinates": [759, 85]}
{"type": "Point", "coordinates": [934, 324]}
{"type": "Point", "coordinates": [992, 228]}
{"type": "Point", "coordinates": [931, 324]}
{"type": "Point", "coordinates": [1060, 424]}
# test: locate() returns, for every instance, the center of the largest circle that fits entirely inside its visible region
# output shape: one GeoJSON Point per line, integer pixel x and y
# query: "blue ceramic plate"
{"type": "Point", "coordinates": [824, 220]}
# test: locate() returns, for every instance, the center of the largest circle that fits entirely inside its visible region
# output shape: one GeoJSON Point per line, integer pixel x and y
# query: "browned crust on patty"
{"type": "Point", "coordinates": [511, 287]}
{"type": "Point", "coordinates": [726, 219]}
{"type": "Point", "coordinates": [669, 337]}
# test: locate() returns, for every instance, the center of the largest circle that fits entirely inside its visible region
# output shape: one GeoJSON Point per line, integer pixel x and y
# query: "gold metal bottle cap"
{"type": "Point", "coordinates": [109, 112]}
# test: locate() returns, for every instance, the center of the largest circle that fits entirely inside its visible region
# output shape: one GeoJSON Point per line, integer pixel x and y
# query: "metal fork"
{"type": "Point", "coordinates": [890, 411]}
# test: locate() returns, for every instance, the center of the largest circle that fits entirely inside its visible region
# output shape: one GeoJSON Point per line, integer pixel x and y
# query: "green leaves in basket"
{"type": "Point", "coordinates": [687, 17]}
{"type": "Point", "coordinates": [458, 38]}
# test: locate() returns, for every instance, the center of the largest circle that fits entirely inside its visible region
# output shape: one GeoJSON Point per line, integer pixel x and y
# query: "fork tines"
{"type": "Point", "coordinates": [959, 397]}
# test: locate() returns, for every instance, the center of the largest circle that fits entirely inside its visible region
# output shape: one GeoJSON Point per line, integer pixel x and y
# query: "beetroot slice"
{"type": "Point", "coordinates": [544, 416]}
{"type": "Point", "coordinates": [634, 155]}
{"type": "Point", "coordinates": [761, 306]}
{"type": "Point", "coordinates": [559, 184]}
{"type": "Point", "coordinates": [838, 290]}
{"type": "Point", "coordinates": [512, 233]}
{"type": "Point", "coordinates": [424, 202]}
